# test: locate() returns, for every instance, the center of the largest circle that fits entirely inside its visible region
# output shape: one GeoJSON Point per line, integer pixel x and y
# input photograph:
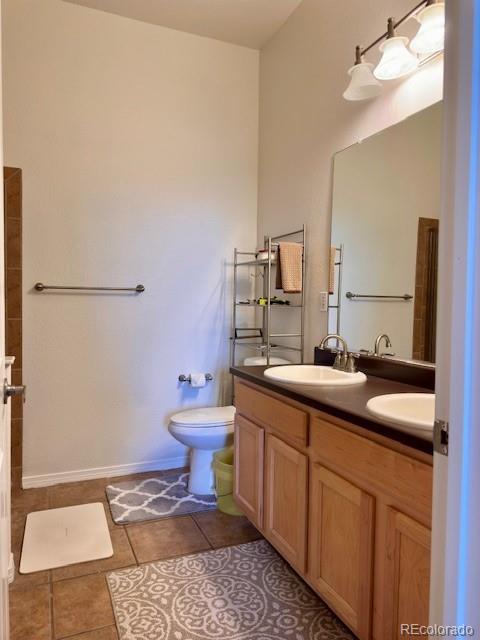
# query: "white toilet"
{"type": "Point", "coordinates": [205, 431]}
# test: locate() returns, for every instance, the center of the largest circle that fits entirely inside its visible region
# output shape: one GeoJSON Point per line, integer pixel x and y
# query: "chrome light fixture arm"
{"type": "Point", "coordinates": [392, 25]}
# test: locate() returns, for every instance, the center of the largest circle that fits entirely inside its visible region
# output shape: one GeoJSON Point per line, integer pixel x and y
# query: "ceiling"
{"type": "Point", "coordinates": [250, 23]}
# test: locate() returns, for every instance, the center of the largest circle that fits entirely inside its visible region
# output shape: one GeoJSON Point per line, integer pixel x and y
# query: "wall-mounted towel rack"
{"type": "Point", "coordinates": [39, 286]}
{"type": "Point", "coordinates": [354, 296]}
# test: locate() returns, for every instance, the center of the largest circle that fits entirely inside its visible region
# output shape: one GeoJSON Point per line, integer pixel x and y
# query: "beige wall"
{"type": "Point", "coordinates": [138, 146]}
{"type": "Point", "coordinates": [304, 120]}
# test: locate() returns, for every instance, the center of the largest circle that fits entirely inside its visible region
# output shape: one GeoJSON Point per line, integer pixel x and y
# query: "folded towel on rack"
{"type": "Point", "coordinates": [331, 273]}
{"type": "Point", "coordinates": [289, 267]}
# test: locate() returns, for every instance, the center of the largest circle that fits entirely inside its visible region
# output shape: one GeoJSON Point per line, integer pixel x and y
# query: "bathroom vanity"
{"type": "Point", "coordinates": [343, 498]}
{"type": "Point", "coordinates": [341, 493]}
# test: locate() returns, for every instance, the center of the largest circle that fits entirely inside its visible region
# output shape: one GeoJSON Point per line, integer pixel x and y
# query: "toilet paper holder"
{"type": "Point", "coordinates": [183, 378]}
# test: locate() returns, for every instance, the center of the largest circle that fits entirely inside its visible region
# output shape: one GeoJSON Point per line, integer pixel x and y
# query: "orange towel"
{"type": "Point", "coordinates": [289, 267]}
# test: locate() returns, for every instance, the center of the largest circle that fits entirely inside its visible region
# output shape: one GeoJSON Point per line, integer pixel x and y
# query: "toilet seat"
{"type": "Point", "coordinates": [204, 417]}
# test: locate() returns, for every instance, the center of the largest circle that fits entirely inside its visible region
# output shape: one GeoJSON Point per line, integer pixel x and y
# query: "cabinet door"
{"type": "Point", "coordinates": [248, 489]}
{"type": "Point", "coordinates": [407, 573]}
{"type": "Point", "coordinates": [341, 530]}
{"type": "Point", "coordinates": [286, 500]}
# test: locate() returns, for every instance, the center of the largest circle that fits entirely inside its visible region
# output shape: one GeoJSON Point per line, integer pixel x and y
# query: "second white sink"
{"type": "Point", "coordinates": [314, 375]}
{"type": "Point", "coordinates": [411, 412]}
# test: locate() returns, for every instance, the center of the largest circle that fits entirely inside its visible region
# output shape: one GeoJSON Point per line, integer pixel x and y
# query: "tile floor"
{"type": "Point", "coordinates": [73, 602]}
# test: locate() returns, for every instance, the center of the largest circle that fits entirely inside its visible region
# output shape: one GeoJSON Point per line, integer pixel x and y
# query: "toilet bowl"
{"type": "Point", "coordinates": [205, 431]}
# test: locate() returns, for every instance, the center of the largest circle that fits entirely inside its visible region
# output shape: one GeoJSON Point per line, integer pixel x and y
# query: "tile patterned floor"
{"type": "Point", "coordinates": [73, 602]}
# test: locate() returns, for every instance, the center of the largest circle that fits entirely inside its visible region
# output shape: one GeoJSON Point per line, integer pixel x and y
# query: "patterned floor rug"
{"type": "Point", "coordinates": [246, 592]}
{"type": "Point", "coordinates": [153, 498]}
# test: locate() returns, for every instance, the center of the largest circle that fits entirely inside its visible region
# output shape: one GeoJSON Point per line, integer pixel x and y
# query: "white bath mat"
{"type": "Point", "coordinates": [59, 537]}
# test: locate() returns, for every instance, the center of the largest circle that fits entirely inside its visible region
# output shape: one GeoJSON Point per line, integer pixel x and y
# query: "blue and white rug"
{"type": "Point", "coordinates": [154, 498]}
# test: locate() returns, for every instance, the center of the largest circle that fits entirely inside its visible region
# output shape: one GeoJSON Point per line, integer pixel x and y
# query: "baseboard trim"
{"type": "Point", "coordinates": [46, 480]}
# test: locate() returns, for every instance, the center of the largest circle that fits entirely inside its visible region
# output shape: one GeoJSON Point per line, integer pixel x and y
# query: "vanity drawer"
{"type": "Point", "coordinates": [406, 480]}
{"type": "Point", "coordinates": [286, 421]}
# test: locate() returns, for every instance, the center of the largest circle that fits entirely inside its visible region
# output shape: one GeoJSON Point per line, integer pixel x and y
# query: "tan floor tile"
{"type": "Point", "coordinates": [16, 435]}
{"type": "Point", "coordinates": [28, 500]}
{"type": "Point", "coordinates": [111, 524]}
{"type": "Point", "coordinates": [122, 557]}
{"type": "Point", "coordinates": [30, 614]}
{"type": "Point", "coordinates": [81, 604]}
{"type": "Point", "coordinates": [16, 474]}
{"type": "Point", "coordinates": [14, 293]}
{"type": "Point", "coordinates": [17, 530]}
{"type": "Point", "coordinates": [73, 493]}
{"type": "Point", "coordinates": [13, 192]}
{"type": "Point", "coordinates": [17, 453]}
{"type": "Point", "coordinates": [108, 633]}
{"type": "Point", "coordinates": [13, 243]}
{"type": "Point", "coordinates": [222, 530]}
{"type": "Point", "coordinates": [166, 538]}
{"type": "Point", "coordinates": [27, 580]}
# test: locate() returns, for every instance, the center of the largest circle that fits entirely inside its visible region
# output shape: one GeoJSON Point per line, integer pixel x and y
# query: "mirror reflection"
{"type": "Point", "coordinates": [384, 255]}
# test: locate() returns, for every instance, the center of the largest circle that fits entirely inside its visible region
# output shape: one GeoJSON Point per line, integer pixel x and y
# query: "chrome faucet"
{"type": "Point", "coordinates": [344, 361]}
{"type": "Point", "coordinates": [388, 343]}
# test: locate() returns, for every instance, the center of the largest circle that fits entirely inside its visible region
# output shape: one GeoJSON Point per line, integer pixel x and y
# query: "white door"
{"type": "Point", "coordinates": [455, 581]}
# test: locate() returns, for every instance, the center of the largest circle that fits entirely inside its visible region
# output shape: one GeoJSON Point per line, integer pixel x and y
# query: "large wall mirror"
{"type": "Point", "coordinates": [386, 205]}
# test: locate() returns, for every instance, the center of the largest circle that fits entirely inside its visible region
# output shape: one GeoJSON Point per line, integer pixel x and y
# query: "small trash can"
{"type": "Point", "coordinates": [223, 467]}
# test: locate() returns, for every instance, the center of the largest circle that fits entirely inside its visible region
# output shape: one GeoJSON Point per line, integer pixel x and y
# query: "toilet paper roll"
{"type": "Point", "coordinates": [198, 380]}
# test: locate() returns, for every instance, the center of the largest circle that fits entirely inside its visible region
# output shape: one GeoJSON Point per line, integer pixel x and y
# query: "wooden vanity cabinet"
{"type": "Point", "coordinates": [393, 492]}
{"type": "Point", "coordinates": [407, 573]}
{"type": "Point", "coordinates": [248, 493]}
{"type": "Point", "coordinates": [349, 512]}
{"type": "Point", "coordinates": [341, 530]}
{"type": "Point", "coordinates": [286, 501]}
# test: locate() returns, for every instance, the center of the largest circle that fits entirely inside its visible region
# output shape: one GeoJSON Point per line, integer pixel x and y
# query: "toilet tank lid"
{"type": "Point", "coordinates": [204, 416]}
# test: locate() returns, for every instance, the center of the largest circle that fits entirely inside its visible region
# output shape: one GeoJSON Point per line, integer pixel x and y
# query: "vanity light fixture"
{"type": "Point", "coordinates": [363, 84]}
{"type": "Point", "coordinates": [431, 35]}
{"type": "Point", "coordinates": [397, 61]}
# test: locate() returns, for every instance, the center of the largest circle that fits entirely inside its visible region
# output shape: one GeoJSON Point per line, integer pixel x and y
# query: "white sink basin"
{"type": "Point", "coordinates": [410, 412]}
{"type": "Point", "coordinates": [314, 376]}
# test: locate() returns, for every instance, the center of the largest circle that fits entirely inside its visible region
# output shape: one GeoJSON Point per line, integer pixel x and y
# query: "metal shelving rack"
{"type": "Point", "coordinates": [263, 340]}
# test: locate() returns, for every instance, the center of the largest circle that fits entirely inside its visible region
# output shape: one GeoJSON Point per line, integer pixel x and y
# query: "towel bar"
{"type": "Point", "coordinates": [39, 286]}
{"type": "Point", "coordinates": [353, 296]}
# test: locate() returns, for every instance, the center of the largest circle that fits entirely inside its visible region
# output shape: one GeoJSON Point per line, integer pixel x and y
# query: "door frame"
{"type": "Point", "coordinates": [455, 578]}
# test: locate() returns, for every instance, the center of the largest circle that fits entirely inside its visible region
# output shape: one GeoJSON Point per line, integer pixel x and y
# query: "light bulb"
{"type": "Point", "coordinates": [363, 85]}
{"type": "Point", "coordinates": [396, 61]}
{"type": "Point", "coordinates": [431, 35]}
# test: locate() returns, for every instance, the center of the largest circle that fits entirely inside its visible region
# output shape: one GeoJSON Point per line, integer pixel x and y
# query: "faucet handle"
{"type": "Point", "coordinates": [339, 360]}
{"type": "Point", "coordinates": [351, 364]}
